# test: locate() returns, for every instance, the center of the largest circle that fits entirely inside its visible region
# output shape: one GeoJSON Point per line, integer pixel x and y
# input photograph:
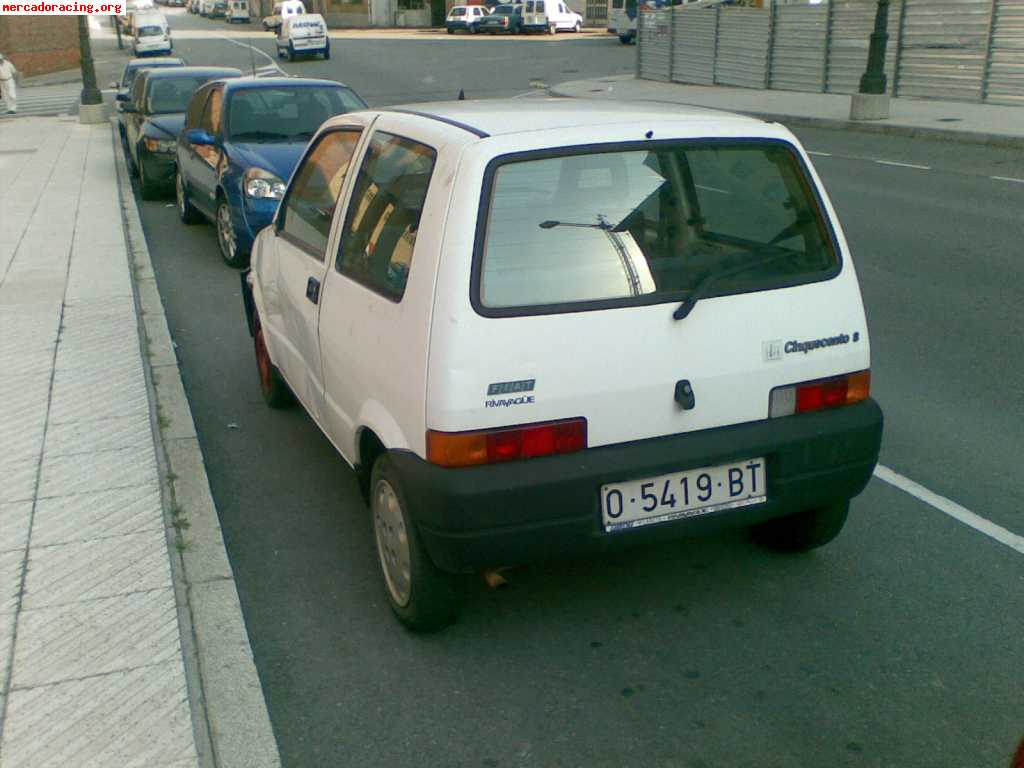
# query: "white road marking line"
{"type": "Point", "coordinates": [267, 56]}
{"type": "Point", "coordinates": [904, 165]}
{"type": "Point", "coordinates": [713, 189]}
{"type": "Point", "coordinates": [819, 154]}
{"type": "Point", "coordinates": [1007, 178]}
{"type": "Point", "coordinates": [951, 508]}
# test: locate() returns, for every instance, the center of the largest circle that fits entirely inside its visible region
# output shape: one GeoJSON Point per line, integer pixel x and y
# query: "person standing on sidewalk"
{"type": "Point", "coordinates": [8, 88]}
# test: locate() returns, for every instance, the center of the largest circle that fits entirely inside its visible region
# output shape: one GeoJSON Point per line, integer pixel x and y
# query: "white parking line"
{"type": "Point", "coordinates": [951, 508]}
{"type": "Point", "coordinates": [1007, 178]}
{"type": "Point", "coordinates": [904, 165]}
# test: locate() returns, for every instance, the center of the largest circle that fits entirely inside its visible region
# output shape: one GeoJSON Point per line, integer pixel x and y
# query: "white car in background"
{"type": "Point", "coordinates": [303, 34]}
{"type": "Point", "coordinates": [537, 329]}
{"type": "Point", "coordinates": [550, 16]}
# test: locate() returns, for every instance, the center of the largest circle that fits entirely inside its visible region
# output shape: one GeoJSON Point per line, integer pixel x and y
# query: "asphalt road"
{"type": "Point", "coordinates": [897, 645]}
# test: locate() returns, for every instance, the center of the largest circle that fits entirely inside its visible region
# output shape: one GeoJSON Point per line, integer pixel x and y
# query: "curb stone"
{"type": "Point", "coordinates": [229, 714]}
{"type": "Point", "coordinates": [865, 126]}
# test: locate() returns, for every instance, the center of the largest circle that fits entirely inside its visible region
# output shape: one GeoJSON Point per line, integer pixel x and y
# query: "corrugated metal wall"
{"type": "Point", "coordinates": [654, 30]}
{"type": "Point", "coordinates": [695, 34]}
{"type": "Point", "coordinates": [798, 53]}
{"type": "Point", "coordinates": [744, 38]}
{"type": "Point", "coordinates": [970, 50]}
{"type": "Point", "coordinates": [1005, 83]}
{"type": "Point", "coordinates": [945, 43]}
{"type": "Point", "coordinates": [852, 23]}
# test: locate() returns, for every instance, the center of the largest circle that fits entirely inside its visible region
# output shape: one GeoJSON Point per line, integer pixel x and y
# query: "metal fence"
{"type": "Point", "coordinates": [966, 50]}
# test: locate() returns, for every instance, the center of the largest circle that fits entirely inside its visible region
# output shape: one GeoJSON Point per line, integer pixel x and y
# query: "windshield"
{"type": "Point", "coordinates": [153, 31]}
{"type": "Point", "coordinates": [286, 113]}
{"type": "Point", "coordinates": [505, 9]}
{"type": "Point", "coordinates": [168, 95]}
{"type": "Point", "coordinates": [649, 226]}
{"type": "Point", "coordinates": [457, 11]}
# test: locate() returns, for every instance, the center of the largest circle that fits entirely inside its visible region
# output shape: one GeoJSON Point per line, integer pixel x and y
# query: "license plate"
{"type": "Point", "coordinates": [690, 493]}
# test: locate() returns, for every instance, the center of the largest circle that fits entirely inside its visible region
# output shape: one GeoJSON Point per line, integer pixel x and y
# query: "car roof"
{"type": "Point", "coordinates": [276, 82]}
{"type": "Point", "coordinates": [167, 73]}
{"type": "Point", "coordinates": [496, 117]}
{"type": "Point", "coordinates": [156, 62]}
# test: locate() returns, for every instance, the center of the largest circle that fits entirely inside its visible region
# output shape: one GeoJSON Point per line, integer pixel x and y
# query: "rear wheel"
{"type": "Point", "coordinates": [625, 39]}
{"type": "Point", "coordinates": [275, 391]}
{"type": "Point", "coordinates": [552, 29]}
{"type": "Point", "coordinates": [186, 212]}
{"type": "Point", "coordinates": [421, 596]}
{"type": "Point", "coordinates": [327, 53]}
{"type": "Point", "coordinates": [803, 531]}
{"type": "Point", "coordinates": [291, 52]}
{"type": "Point", "coordinates": [451, 31]}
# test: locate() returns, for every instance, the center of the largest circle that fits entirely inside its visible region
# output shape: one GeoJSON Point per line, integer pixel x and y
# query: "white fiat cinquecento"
{"type": "Point", "coordinates": [537, 328]}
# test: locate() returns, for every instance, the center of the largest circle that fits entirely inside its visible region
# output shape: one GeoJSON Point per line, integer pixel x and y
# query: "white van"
{"type": "Point", "coordinates": [550, 16]}
{"type": "Point", "coordinates": [150, 34]}
{"type": "Point", "coordinates": [302, 34]}
{"type": "Point", "coordinates": [540, 328]}
{"type": "Point", "coordinates": [282, 11]}
{"type": "Point", "coordinates": [238, 11]}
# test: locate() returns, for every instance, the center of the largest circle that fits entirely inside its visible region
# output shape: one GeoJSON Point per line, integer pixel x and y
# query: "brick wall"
{"type": "Point", "coordinates": [40, 44]}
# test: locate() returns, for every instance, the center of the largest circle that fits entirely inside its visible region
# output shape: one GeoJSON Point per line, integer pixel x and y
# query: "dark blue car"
{"type": "Point", "coordinates": [241, 140]}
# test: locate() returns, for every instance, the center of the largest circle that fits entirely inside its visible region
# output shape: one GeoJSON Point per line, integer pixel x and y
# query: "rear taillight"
{"type": "Point", "coordinates": [489, 446]}
{"type": "Point", "coordinates": [820, 395]}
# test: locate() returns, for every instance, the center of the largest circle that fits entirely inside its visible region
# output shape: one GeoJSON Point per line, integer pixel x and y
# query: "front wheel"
{"type": "Point", "coordinates": [327, 53]}
{"type": "Point", "coordinates": [451, 31]}
{"type": "Point", "coordinates": [291, 52]}
{"type": "Point", "coordinates": [227, 239]}
{"type": "Point", "coordinates": [552, 29]}
{"type": "Point", "coordinates": [147, 189]}
{"type": "Point", "coordinates": [803, 531]}
{"type": "Point", "coordinates": [421, 595]}
{"type": "Point", "coordinates": [577, 28]}
{"type": "Point", "coordinates": [625, 39]}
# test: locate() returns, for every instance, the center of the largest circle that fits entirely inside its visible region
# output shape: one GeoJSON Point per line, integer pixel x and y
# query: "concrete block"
{"type": "Point", "coordinates": [127, 432]}
{"type": "Point", "coordinates": [12, 563]}
{"type": "Point", "coordinates": [14, 522]}
{"type": "Point", "coordinates": [91, 114]}
{"type": "Point", "coordinates": [85, 473]}
{"type": "Point", "coordinates": [172, 404]}
{"type": "Point", "coordinates": [869, 106]}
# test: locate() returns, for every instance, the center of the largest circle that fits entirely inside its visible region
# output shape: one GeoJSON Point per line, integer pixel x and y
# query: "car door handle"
{"type": "Point", "coordinates": [313, 290]}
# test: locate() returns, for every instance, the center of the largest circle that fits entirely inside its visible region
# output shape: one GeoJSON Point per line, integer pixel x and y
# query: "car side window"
{"type": "Point", "coordinates": [196, 104]}
{"type": "Point", "coordinates": [138, 89]}
{"type": "Point", "coordinates": [308, 209]}
{"type": "Point", "coordinates": [212, 115]}
{"type": "Point", "coordinates": [383, 216]}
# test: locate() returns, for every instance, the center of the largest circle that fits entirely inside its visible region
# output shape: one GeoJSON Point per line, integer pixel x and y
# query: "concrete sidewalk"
{"type": "Point", "coordinates": [105, 656]}
{"type": "Point", "coordinates": [952, 120]}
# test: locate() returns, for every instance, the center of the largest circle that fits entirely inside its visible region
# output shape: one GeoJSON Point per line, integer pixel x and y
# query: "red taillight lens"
{"type": "Point", "coordinates": [464, 449]}
{"type": "Point", "coordinates": [819, 395]}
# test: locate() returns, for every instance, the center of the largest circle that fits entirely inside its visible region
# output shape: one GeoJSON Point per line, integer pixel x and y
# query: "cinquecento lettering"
{"type": "Point", "coordinates": [810, 346]}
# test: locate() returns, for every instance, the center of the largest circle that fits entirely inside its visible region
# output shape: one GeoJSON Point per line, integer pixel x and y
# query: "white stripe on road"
{"type": "Point", "coordinates": [819, 154]}
{"type": "Point", "coordinates": [267, 56]}
{"type": "Point", "coordinates": [904, 165]}
{"type": "Point", "coordinates": [1007, 178]}
{"type": "Point", "coordinates": [951, 508]}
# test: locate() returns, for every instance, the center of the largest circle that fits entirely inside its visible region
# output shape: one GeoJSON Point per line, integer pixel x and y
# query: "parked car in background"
{"type": "Point", "coordinates": [238, 11]}
{"type": "Point", "coordinates": [465, 17]}
{"type": "Point", "coordinates": [151, 35]}
{"type": "Point", "coordinates": [131, 70]}
{"type": "Point", "coordinates": [503, 18]}
{"type": "Point", "coordinates": [193, 6]}
{"type": "Point", "coordinates": [550, 16]}
{"type": "Point", "coordinates": [282, 11]}
{"type": "Point", "coordinates": [504, 253]}
{"type": "Point", "coordinates": [218, 9]}
{"type": "Point", "coordinates": [303, 34]}
{"type": "Point", "coordinates": [153, 120]}
{"type": "Point", "coordinates": [240, 142]}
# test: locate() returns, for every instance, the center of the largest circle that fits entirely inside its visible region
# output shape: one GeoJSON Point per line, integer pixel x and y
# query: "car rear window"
{"type": "Point", "coordinates": [458, 11]}
{"type": "Point", "coordinates": [172, 94]}
{"type": "Point", "coordinates": [276, 114]}
{"type": "Point", "coordinates": [600, 229]}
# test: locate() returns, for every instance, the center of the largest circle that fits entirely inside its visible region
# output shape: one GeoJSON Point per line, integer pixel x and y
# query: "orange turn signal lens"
{"type": "Point", "coordinates": [490, 446]}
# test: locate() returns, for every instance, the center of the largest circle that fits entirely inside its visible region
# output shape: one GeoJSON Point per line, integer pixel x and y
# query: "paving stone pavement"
{"type": "Point", "coordinates": [91, 667]}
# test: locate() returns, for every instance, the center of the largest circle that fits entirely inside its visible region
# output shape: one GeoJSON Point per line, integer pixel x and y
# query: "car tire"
{"type": "Point", "coordinates": [578, 28]}
{"type": "Point", "coordinates": [291, 52]}
{"type": "Point", "coordinates": [420, 594]}
{"type": "Point", "coordinates": [803, 531]}
{"type": "Point", "coordinates": [273, 387]}
{"type": "Point", "coordinates": [624, 39]}
{"type": "Point", "coordinates": [226, 238]}
{"type": "Point", "coordinates": [473, 30]}
{"type": "Point", "coordinates": [451, 31]}
{"type": "Point", "coordinates": [186, 211]}
{"type": "Point", "coordinates": [147, 189]}
{"type": "Point", "coordinates": [552, 29]}
{"type": "Point", "coordinates": [327, 53]}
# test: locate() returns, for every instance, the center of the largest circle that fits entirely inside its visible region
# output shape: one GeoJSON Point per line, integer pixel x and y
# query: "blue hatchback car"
{"type": "Point", "coordinates": [240, 143]}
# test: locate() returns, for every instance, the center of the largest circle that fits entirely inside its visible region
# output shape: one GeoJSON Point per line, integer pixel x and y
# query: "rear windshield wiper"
{"type": "Point", "coordinates": [708, 281]}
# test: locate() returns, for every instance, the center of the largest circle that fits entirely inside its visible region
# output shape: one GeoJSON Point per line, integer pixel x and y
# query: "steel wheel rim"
{"type": "Point", "coordinates": [179, 190]}
{"type": "Point", "coordinates": [225, 232]}
{"type": "Point", "coordinates": [392, 542]}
